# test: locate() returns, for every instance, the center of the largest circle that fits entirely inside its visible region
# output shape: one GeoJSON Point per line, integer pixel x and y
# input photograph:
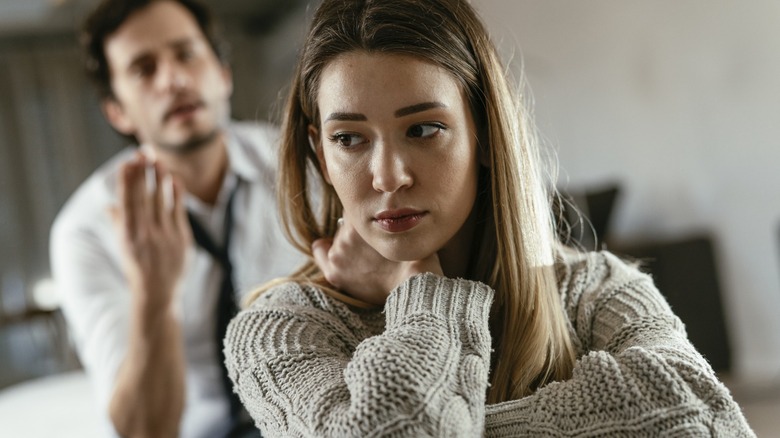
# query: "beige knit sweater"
{"type": "Point", "coordinates": [305, 364]}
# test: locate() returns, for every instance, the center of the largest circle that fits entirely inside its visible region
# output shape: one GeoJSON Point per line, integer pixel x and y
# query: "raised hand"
{"type": "Point", "coordinates": [350, 264]}
{"type": "Point", "coordinates": [154, 231]}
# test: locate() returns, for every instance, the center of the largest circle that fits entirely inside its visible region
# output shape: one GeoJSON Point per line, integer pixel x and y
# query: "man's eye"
{"type": "Point", "coordinates": [144, 70]}
{"type": "Point", "coordinates": [424, 130]}
{"type": "Point", "coordinates": [346, 140]}
{"type": "Point", "coordinates": [186, 55]}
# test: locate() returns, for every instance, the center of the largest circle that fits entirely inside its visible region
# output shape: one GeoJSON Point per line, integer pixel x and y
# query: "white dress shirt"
{"type": "Point", "coordinates": [86, 265]}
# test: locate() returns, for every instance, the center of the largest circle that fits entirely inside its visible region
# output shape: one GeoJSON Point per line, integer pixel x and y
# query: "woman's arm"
{"type": "Point", "coordinates": [305, 365]}
{"type": "Point", "coordinates": [638, 376]}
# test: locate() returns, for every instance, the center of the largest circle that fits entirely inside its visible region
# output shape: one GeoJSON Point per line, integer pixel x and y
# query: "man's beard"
{"type": "Point", "coordinates": [193, 144]}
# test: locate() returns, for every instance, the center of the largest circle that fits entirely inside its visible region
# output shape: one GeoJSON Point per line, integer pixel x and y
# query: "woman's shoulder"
{"type": "Point", "coordinates": [589, 271]}
{"type": "Point", "coordinates": [288, 301]}
{"type": "Point", "coordinates": [288, 293]}
{"type": "Point", "coordinates": [586, 279]}
{"type": "Point", "coordinates": [602, 293]}
{"type": "Point", "coordinates": [297, 296]}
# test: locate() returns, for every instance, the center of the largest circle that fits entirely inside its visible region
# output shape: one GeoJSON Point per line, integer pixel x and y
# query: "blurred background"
{"type": "Point", "coordinates": [663, 116]}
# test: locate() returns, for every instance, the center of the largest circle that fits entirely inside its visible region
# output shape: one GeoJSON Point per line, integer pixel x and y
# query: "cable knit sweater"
{"type": "Point", "coordinates": [305, 364]}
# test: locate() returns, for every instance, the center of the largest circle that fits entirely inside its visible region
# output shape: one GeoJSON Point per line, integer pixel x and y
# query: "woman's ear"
{"type": "Point", "coordinates": [314, 142]}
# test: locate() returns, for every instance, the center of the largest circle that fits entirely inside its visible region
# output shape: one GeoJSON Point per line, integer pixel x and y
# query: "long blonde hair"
{"type": "Point", "coordinates": [516, 241]}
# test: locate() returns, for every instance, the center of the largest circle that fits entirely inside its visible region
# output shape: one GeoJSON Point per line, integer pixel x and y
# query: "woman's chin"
{"type": "Point", "coordinates": [398, 254]}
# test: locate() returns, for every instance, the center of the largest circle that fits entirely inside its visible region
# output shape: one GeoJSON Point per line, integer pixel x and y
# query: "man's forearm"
{"type": "Point", "coordinates": [148, 398]}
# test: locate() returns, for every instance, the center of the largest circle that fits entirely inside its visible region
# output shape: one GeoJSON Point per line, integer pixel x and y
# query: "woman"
{"type": "Point", "coordinates": [443, 304]}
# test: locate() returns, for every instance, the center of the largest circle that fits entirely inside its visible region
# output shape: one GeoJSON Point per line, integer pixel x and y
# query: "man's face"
{"type": "Point", "coordinates": [170, 89]}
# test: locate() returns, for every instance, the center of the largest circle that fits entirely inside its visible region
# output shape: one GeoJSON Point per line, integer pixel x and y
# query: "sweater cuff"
{"type": "Point", "coordinates": [464, 304]}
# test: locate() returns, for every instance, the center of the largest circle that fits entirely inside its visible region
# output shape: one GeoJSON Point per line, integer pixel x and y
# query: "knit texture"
{"type": "Point", "coordinates": [305, 364]}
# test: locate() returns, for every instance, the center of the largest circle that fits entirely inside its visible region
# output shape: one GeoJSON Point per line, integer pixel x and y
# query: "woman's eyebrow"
{"type": "Point", "coordinates": [405, 111]}
{"type": "Point", "coordinates": [349, 117]}
{"type": "Point", "coordinates": [416, 108]}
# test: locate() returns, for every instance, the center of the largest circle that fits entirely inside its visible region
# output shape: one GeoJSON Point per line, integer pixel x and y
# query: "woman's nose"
{"type": "Point", "coordinates": [391, 171]}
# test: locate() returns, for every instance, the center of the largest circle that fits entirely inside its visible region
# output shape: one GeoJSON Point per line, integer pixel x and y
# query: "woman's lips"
{"type": "Point", "coordinates": [398, 221]}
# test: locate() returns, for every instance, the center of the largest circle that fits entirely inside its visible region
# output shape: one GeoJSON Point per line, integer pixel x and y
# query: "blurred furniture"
{"type": "Point", "coordinates": [584, 217]}
{"type": "Point", "coordinates": [59, 405]}
{"type": "Point", "coordinates": [34, 338]}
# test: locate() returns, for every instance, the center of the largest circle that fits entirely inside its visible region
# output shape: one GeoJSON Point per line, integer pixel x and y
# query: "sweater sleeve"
{"type": "Point", "coordinates": [638, 374]}
{"type": "Point", "coordinates": [303, 367]}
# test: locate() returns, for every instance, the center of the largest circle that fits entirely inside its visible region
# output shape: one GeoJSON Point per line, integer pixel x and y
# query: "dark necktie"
{"type": "Point", "coordinates": [226, 307]}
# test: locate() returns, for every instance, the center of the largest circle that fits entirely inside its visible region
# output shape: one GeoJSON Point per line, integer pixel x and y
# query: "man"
{"type": "Point", "coordinates": [138, 252]}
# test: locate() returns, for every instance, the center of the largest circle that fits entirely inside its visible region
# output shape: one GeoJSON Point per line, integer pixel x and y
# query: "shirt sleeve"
{"type": "Point", "coordinates": [95, 303]}
{"type": "Point", "coordinates": [638, 376]}
{"type": "Point", "coordinates": [302, 367]}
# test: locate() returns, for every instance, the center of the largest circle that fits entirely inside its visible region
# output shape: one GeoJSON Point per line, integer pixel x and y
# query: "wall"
{"type": "Point", "coordinates": [678, 101]}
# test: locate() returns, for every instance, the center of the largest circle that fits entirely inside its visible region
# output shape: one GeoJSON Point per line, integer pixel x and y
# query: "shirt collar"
{"type": "Point", "coordinates": [239, 161]}
{"type": "Point", "coordinates": [239, 168]}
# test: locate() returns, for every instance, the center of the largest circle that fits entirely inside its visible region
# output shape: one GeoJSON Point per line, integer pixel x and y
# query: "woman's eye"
{"type": "Point", "coordinates": [424, 130]}
{"type": "Point", "coordinates": [346, 140]}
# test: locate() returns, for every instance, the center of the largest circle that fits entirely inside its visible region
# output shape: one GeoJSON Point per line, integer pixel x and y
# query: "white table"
{"type": "Point", "coordinates": [60, 405]}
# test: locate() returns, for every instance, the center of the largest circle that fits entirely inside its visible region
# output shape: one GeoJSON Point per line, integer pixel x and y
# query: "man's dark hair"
{"type": "Point", "coordinates": [111, 14]}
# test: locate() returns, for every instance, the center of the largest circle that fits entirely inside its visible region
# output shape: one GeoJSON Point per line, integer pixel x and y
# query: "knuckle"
{"type": "Point", "coordinates": [328, 276]}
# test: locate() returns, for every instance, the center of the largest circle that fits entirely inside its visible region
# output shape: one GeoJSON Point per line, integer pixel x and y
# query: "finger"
{"type": "Point", "coordinates": [158, 195]}
{"type": "Point", "coordinates": [348, 236]}
{"type": "Point", "coordinates": [167, 188]}
{"type": "Point", "coordinates": [115, 215]}
{"type": "Point", "coordinates": [149, 185]}
{"type": "Point", "coordinates": [178, 211]}
{"type": "Point", "coordinates": [342, 229]}
{"type": "Point", "coordinates": [126, 198]}
{"type": "Point", "coordinates": [319, 250]}
{"type": "Point", "coordinates": [136, 192]}
{"type": "Point", "coordinates": [167, 211]}
{"type": "Point", "coordinates": [143, 185]}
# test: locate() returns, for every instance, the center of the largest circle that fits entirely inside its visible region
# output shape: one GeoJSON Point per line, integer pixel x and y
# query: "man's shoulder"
{"type": "Point", "coordinates": [253, 149]}
{"type": "Point", "coordinates": [257, 138]}
{"type": "Point", "coordinates": [255, 128]}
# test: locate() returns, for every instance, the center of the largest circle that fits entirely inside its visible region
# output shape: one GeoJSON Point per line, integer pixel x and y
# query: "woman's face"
{"type": "Point", "coordinates": [398, 143]}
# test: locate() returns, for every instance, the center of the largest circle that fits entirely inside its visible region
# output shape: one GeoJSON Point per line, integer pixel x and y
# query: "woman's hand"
{"type": "Point", "coordinates": [353, 266]}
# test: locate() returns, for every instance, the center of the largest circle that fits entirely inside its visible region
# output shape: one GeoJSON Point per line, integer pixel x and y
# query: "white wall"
{"type": "Point", "coordinates": [680, 102]}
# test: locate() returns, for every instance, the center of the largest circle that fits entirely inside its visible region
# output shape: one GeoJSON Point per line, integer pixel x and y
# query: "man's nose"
{"type": "Point", "coordinates": [172, 77]}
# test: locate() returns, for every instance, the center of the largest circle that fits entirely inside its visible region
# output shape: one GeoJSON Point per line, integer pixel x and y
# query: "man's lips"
{"type": "Point", "coordinates": [183, 109]}
{"type": "Point", "coordinates": [396, 221]}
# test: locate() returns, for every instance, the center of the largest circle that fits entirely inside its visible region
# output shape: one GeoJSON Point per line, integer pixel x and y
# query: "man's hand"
{"type": "Point", "coordinates": [154, 231]}
{"type": "Point", "coordinates": [148, 398]}
{"type": "Point", "coordinates": [353, 266]}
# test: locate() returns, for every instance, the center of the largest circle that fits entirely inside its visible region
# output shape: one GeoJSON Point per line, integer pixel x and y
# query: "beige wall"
{"type": "Point", "coordinates": [680, 102]}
